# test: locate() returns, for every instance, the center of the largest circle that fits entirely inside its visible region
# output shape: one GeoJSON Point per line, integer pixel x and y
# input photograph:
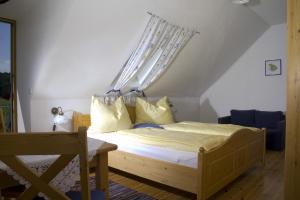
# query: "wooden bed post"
{"type": "Point", "coordinates": [292, 152]}
{"type": "Point", "coordinates": [201, 172]}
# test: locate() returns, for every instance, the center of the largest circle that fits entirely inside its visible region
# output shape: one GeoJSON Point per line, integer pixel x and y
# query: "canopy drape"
{"type": "Point", "coordinates": [158, 47]}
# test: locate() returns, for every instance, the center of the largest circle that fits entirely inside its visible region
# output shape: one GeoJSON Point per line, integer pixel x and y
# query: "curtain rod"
{"type": "Point", "coordinates": [150, 13]}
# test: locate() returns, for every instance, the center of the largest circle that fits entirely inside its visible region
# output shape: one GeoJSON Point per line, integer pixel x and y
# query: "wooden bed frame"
{"type": "Point", "coordinates": [216, 168]}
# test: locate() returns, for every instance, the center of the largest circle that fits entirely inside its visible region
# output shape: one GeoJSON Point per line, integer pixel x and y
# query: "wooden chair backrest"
{"type": "Point", "coordinates": [67, 145]}
{"type": "Point", "coordinates": [2, 123]}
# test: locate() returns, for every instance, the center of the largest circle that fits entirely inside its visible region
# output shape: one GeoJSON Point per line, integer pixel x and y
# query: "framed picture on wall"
{"type": "Point", "coordinates": [273, 67]}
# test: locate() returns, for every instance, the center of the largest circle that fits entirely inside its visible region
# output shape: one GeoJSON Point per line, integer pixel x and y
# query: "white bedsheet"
{"type": "Point", "coordinates": [185, 158]}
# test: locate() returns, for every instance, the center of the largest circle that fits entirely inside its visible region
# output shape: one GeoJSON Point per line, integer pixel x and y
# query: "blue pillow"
{"type": "Point", "coordinates": [268, 119]}
{"type": "Point", "coordinates": [147, 125]}
{"type": "Point", "coordinates": [243, 117]}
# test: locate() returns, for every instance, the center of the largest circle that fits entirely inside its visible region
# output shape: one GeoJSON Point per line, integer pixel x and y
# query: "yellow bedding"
{"type": "Point", "coordinates": [189, 138]}
{"type": "Point", "coordinates": [205, 128]}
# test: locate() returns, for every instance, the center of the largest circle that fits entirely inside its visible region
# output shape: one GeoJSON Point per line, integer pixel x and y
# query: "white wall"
{"type": "Point", "coordinates": [72, 49]}
{"type": "Point", "coordinates": [184, 109]}
{"type": "Point", "coordinates": [244, 85]}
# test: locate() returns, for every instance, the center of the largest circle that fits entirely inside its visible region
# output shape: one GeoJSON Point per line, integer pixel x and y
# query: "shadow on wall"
{"type": "Point", "coordinates": [207, 112]}
{"type": "Point", "coordinates": [236, 42]}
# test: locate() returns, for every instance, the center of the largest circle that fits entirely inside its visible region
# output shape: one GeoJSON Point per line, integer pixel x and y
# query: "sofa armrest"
{"type": "Point", "coordinates": [281, 126]}
{"type": "Point", "coordinates": [224, 120]}
{"type": "Point", "coordinates": [276, 137]}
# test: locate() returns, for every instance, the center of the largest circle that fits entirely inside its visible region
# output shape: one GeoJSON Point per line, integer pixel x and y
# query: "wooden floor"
{"type": "Point", "coordinates": [257, 184]}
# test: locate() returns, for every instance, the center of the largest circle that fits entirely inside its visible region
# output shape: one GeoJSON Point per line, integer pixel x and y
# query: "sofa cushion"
{"type": "Point", "coordinates": [243, 117]}
{"type": "Point", "coordinates": [267, 119]}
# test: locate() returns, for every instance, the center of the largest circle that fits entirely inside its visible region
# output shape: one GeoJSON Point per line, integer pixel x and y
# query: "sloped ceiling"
{"type": "Point", "coordinates": [74, 48]}
{"type": "Point", "coordinates": [272, 11]}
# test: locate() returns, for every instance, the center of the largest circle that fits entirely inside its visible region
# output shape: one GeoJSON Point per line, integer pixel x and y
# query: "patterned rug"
{"type": "Point", "coordinates": [117, 191]}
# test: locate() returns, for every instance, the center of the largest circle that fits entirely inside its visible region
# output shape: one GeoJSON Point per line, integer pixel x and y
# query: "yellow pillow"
{"type": "Point", "coordinates": [148, 113]}
{"type": "Point", "coordinates": [108, 118]}
{"type": "Point", "coordinates": [131, 112]}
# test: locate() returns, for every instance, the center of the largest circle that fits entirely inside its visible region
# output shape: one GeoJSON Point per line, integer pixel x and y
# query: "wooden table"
{"type": "Point", "coordinates": [99, 163]}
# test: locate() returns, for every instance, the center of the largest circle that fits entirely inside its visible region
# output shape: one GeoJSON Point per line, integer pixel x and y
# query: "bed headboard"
{"type": "Point", "coordinates": [80, 119]}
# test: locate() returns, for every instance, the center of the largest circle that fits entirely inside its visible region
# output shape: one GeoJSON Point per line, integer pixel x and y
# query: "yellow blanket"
{"type": "Point", "coordinates": [188, 137]}
{"type": "Point", "coordinates": [205, 128]}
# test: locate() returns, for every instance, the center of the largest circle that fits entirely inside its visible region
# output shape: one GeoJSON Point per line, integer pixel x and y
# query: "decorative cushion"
{"type": "Point", "coordinates": [108, 118]}
{"type": "Point", "coordinates": [267, 119]}
{"type": "Point", "coordinates": [147, 125]}
{"type": "Point", "coordinates": [243, 117]}
{"type": "Point", "coordinates": [160, 113]}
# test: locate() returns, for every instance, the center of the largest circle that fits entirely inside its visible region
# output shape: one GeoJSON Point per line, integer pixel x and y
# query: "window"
{"type": "Point", "coordinates": [7, 73]}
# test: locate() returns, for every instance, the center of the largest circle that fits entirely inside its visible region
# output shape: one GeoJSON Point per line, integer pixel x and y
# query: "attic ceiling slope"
{"type": "Point", "coordinates": [74, 49]}
{"type": "Point", "coordinates": [226, 32]}
{"type": "Point", "coordinates": [272, 11]}
{"type": "Point", "coordinates": [15, 9]}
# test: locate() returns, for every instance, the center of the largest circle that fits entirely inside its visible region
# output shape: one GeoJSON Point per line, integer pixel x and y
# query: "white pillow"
{"type": "Point", "coordinates": [109, 118]}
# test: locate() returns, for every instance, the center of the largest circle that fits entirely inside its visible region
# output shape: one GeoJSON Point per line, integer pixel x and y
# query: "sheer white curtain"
{"type": "Point", "coordinates": [158, 47]}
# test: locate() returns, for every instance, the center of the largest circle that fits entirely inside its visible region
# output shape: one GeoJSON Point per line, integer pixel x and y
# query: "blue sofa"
{"type": "Point", "coordinates": [273, 121]}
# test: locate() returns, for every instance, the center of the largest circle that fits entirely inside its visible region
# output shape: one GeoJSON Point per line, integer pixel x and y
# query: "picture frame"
{"type": "Point", "coordinates": [273, 67]}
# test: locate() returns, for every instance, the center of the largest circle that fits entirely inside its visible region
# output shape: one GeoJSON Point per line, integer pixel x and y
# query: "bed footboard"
{"type": "Point", "coordinates": [174, 175]}
{"type": "Point", "coordinates": [221, 166]}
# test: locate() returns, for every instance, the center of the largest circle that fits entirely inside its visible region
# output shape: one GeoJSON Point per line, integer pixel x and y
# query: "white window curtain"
{"type": "Point", "coordinates": [157, 49]}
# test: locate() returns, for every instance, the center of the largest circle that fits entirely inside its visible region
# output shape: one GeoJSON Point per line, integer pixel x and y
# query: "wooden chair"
{"type": "Point", "coordinates": [67, 145]}
{"type": "Point", "coordinates": [2, 123]}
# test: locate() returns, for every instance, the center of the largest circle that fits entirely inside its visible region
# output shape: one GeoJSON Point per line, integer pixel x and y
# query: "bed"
{"type": "Point", "coordinates": [212, 170]}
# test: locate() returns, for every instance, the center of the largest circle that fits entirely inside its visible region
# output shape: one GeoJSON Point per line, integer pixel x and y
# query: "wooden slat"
{"type": "Point", "coordinates": [64, 144]}
{"type": "Point", "coordinates": [17, 165]}
{"type": "Point", "coordinates": [44, 144]}
{"type": "Point", "coordinates": [50, 173]}
{"type": "Point", "coordinates": [292, 166]}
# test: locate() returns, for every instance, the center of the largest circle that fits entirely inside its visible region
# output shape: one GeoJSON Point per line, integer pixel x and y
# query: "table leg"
{"type": "Point", "coordinates": [102, 173]}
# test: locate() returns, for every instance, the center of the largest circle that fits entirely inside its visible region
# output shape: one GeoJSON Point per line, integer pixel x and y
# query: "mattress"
{"type": "Point", "coordinates": [177, 143]}
{"type": "Point", "coordinates": [185, 158]}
